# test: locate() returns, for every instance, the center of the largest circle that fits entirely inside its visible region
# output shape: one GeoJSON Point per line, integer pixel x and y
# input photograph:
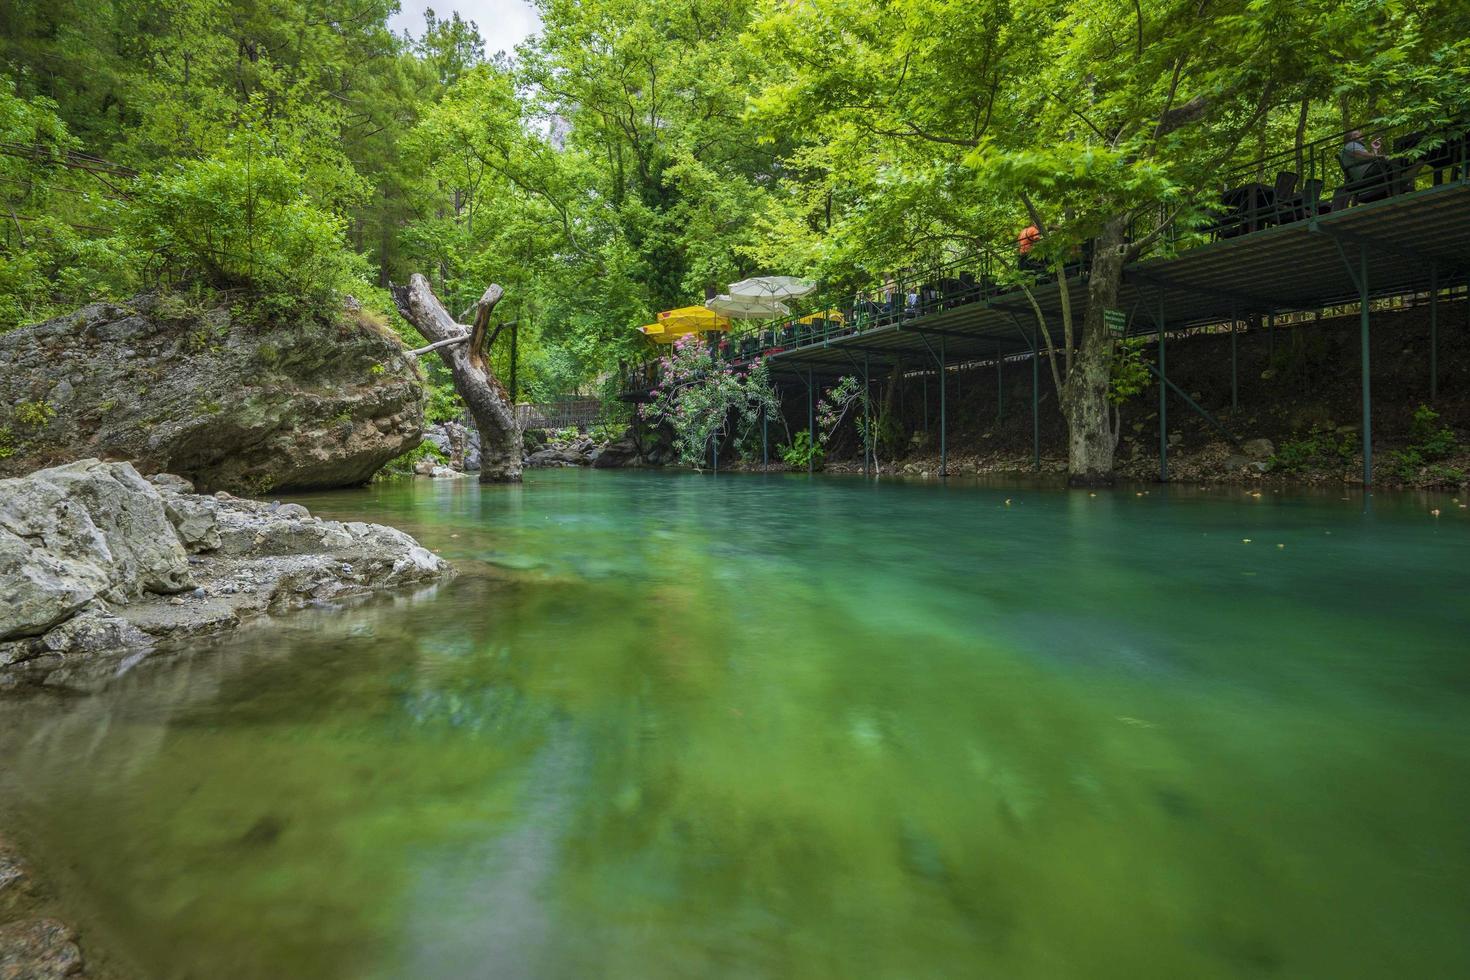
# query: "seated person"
{"type": "Point", "coordinates": [1374, 174]}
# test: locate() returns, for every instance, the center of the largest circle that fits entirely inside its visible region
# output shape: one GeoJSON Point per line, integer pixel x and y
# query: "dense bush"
{"type": "Point", "coordinates": [700, 397]}
{"type": "Point", "coordinates": [47, 264]}
{"type": "Point", "coordinates": [1320, 448]}
{"type": "Point", "coordinates": [1432, 443]}
{"type": "Point", "coordinates": [241, 218]}
{"type": "Point", "coordinates": [803, 452]}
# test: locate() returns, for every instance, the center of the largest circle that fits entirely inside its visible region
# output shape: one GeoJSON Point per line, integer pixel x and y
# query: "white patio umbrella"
{"type": "Point", "coordinates": [743, 308]}
{"type": "Point", "coordinates": [771, 287]}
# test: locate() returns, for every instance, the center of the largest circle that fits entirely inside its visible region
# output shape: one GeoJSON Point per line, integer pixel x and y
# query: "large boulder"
{"type": "Point", "coordinates": [81, 532]}
{"type": "Point", "coordinates": [95, 560]}
{"type": "Point", "coordinates": [214, 395]}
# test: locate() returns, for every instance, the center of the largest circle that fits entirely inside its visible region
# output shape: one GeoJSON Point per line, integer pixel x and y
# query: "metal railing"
{"type": "Point", "coordinates": [560, 413]}
{"type": "Point", "coordinates": [1324, 176]}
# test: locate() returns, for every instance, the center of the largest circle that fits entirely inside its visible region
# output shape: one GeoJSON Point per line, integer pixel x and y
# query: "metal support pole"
{"type": "Point", "coordinates": [1271, 334]}
{"type": "Point", "coordinates": [867, 419]}
{"type": "Point", "coordinates": [811, 425]}
{"type": "Point", "coordinates": [1234, 388]}
{"type": "Point", "coordinates": [1035, 418]}
{"type": "Point", "coordinates": [765, 445]}
{"type": "Point", "coordinates": [1367, 387]}
{"type": "Point", "coordinates": [943, 418]}
{"type": "Point", "coordinates": [926, 403]}
{"type": "Point", "coordinates": [999, 392]}
{"type": "Point", "coordinates": [1433, 331]}
{"type": "Point", "coordinates": [1163, 401]}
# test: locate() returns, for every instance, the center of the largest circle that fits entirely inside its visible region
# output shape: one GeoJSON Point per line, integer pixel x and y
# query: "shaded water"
{"type": "Point", "coordinates": [683, 726]}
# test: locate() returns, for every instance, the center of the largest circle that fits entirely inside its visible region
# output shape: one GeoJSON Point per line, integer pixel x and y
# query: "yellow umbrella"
{"type": "Point", "coordinates": [692, 319]}
{"type": "Point", "coordinates": [826, 315]}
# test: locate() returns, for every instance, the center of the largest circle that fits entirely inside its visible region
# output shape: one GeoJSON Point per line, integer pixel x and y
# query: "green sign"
{"type": "Point", "coordinates": [1117, 322]}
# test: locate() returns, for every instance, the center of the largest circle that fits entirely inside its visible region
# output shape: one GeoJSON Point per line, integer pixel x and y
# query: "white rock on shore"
{"type": "Point", "coordinates": [95, 559]}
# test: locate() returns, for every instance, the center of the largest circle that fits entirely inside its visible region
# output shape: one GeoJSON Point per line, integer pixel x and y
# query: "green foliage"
{"type": "Point", "coordinates": [241, 218]}
{"type": "Point", "coordinates": [1321, 448]}
{"type": "Point", "coordinates": [703, 399]}
{"type": "Point", "coordinates": [1129, 375]}
{"type": "Point", "coordinates": [33, 414]}
{"type": "Point", "coordinates": [444, 404]}
{"type": "Point", "coordinates": [1421, 459]}
{"type": "Point", "coordinates": [48, 262]}
{"type": "Point", "coordinates": [404, 465]}
{"type": "Point", "coordinates": [803, 452]}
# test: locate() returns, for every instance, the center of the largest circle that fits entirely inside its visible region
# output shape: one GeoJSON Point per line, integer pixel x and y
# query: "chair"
{"type": "Point", "coordinates": [1285, 184]}
{"type": "Point", "coordinates": [1342, 198]}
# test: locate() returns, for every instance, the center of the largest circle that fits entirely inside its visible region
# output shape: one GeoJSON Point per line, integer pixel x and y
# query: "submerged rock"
{"type": "Point", "coordinates": [226, 403]}
{"type": "Point", "coordinates": [38, 949]}
{"type": "Point", "coordinates": [94, 559]}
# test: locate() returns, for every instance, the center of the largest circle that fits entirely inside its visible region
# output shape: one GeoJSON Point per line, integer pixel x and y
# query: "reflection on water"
{"type": "Point", "coordinates": [675, 726]}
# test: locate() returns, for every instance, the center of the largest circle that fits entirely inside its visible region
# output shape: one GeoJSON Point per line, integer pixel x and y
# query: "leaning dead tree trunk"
{"type": "Point", "coordinates": [462, 350]}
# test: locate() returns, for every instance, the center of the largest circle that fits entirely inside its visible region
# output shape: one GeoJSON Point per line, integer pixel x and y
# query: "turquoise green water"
{"type": "Point", "coordinates": [686, 726]}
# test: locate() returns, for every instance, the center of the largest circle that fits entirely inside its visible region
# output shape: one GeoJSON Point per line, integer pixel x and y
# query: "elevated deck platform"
{"type": "Point", "coordinates": [1410, 243]}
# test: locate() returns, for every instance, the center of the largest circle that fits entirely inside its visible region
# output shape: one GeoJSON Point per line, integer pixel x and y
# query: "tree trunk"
{"type": "Point", "coordinates": [490, 407]}
{"type": "Point", "coordinates": [1091, 439]}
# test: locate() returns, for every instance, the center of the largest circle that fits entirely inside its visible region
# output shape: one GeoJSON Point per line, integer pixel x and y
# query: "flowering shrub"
{"type": "Point", "coordinates": [702, 397]}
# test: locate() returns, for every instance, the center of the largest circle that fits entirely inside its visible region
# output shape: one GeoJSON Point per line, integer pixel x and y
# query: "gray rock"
{"type": "Point", "coordinates": [553, 457]}
{"type": "Point", "coordinates": [168, 481]}
{"type": "Point", "coordinates": [225, 404]}
{"type": "Point", "coordinates": [195, 520]}
{"type": "Point", "coordinates": [1259, 449]}
{"type": "Point", "coordinates": [17, 884]}
{"type": "Point", "coordinates": [90, 553]}
{"type": "Point", "coordinates": [1235, 461]}
{"type": "Point", "coordinates": [73, 533]}
{"type": "Point", "coordinates": [38, 949]}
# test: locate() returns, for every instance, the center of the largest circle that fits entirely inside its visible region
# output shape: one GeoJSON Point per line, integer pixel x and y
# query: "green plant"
{"type": "Point", "coordinates": [1431, 443]}
{"type": "Point", "coordinates": [1128, 375]}
{"type": "Point", "coordinates": [242, 217]}
{"type": "Point", "coordinates": [802, 452]}
{"type": "Point", "coordinates": [700, 397]}
{"type": "Point", "coordinates": [404, 465]}
{"type": "Point", "coordinates": [34, 414]}
{"type": "Point", "coordinates": [1322, 447]}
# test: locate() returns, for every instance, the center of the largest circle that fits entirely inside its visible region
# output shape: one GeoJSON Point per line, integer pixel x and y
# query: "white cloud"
{"type": "Point", "coordinates": [503, 23]}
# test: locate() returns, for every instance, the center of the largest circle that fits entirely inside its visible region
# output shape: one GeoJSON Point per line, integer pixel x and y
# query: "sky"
{"type": "Point", "coordinates": [503, 23]}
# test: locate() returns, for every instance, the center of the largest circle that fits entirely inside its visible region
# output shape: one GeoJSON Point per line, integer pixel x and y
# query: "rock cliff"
{"type": "Point", "coordinates": [211, 394]}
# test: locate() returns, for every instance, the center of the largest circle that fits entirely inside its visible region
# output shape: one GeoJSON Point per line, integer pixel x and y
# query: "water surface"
{"type": "Point", "coordinates": [673, 725]}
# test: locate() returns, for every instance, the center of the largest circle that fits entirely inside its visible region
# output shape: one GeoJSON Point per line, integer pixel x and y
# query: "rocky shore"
{"type": "Point", "coordinates": [98, 564]}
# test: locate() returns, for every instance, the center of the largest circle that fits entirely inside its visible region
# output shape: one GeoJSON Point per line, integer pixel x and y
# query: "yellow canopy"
{"type": "Point", "coordinates": [824, 315]}
{"type": "Point", "coordinates": [692, 319]}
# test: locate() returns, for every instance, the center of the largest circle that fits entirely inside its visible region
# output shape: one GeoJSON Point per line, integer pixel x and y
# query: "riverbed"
{"type": "Point", "coordinates": [685, 725]}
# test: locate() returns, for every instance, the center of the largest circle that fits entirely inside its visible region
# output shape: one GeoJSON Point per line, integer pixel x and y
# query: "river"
{"type": "Point", "coordinates": [682, 725]}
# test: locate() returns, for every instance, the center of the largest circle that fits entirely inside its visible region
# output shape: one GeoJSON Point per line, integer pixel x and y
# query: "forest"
{"type": "Point", "coordinates": [634, 157]}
